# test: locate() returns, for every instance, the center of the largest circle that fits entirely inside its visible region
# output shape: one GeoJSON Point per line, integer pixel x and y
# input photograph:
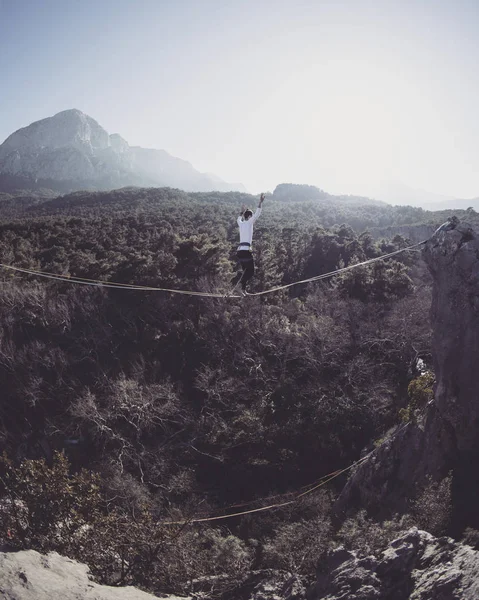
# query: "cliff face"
{"type": "Point", "coordinates": [453, 259]}
{"type": "Point", "coordinates": [447, 439]}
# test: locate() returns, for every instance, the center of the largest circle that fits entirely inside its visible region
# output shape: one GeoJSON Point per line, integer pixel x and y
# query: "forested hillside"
{"type": "Point", "coordinates": [181, 407]}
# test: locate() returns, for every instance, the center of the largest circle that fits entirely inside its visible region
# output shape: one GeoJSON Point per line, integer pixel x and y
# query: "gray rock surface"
{"type": "Point", "coordinates": [73, 150]}
{"type": "Point", "coordinates": [416, 566]}
{"type": "Point", "coordinates": [28, 575]}
{"type": "Point", "coordinates": [447, 439]}
{"type": "Point", "coordinates": [453, 259]}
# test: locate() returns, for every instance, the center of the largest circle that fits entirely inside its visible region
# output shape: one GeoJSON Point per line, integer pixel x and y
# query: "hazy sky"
{"type": "Point", "coordinates": [343, 94]}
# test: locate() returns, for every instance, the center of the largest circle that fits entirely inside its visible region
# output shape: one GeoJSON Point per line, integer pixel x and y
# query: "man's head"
{"type": "Point", "coordinates": [247, 214]}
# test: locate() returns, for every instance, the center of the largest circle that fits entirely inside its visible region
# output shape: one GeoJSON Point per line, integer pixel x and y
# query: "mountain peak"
{"type": "Point", "coordinates": [69, 128]}
{"type": "Point", "coordinates": [70, 111]}
{"type": "Point", "coordinates": [72, 115]}
{"type": "Point", "coordinates": [71, 151]}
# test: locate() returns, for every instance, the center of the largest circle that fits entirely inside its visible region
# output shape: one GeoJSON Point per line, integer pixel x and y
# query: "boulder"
{"type": "Point", "coordinates": [415, 566]}
{"type": "Point", "coordinates": [28, 575]}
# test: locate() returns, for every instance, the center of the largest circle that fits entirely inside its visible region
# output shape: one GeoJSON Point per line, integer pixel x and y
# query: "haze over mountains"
{"type": "Point", "coordinates": [395, 192]}
{"type": "Point", "coordinates": [71, 151]}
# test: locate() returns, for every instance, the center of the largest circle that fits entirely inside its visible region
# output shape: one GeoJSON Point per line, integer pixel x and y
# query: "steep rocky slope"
{"type": "Point", "coordinates": [415, 566]}
{"type": "Point", "coordinates": [446, 439]}
{"type": "Point", "coordinates": [71, 151]}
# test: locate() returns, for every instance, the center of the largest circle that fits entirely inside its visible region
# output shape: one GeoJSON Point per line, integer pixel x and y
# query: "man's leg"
{"type": "Point", "coordinates": [236, 278]}
{"type": "Point", "coordinates": [240, 256]}
{"type": "Point", "coordinates": [248, 271]}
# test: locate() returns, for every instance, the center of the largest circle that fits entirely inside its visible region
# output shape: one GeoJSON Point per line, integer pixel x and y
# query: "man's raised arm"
{"type": "Point", "coordinates": [240, 218]}
{"type": "Point", "coordinates": [257, 212]}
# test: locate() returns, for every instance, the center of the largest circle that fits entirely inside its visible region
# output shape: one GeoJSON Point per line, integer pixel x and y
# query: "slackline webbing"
{"type": "Point", "coordinates": [144, 288]}
{"type": "Point", "coordinates": [297, 498]}
{"type": "Point", "coordinates": [336, 272]}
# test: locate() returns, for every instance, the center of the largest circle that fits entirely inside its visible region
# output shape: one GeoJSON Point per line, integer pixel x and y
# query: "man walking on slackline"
{"type": "Point", "coordinates": [244, 252]}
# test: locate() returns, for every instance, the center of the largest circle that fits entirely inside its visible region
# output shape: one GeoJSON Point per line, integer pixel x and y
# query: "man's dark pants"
{"type": "Point", "coordinates": [245, 259]}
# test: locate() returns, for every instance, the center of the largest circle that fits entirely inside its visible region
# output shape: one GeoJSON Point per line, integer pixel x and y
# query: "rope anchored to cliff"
{"type": "Point", "coordinates": [145, 288]}
{"type": "Point", "coordinates": [297, 497]}
{"type": "Point", "coordinates": [337, 271]}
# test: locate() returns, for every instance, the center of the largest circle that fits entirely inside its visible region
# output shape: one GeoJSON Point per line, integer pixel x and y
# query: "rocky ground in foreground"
{"type": "Point", "coordinates": [415, 566]}
{"type": "Point", "coordinates": [28, 575]}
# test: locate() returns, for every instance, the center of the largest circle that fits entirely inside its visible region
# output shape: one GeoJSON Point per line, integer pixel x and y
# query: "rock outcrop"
{"type": "Point", "coordinates": [415, 566]}
{"type": "Point", "coordinates": [71, 151]}
{"type": "Point", "coordinates": [28, 575]}
{"type": "Point", "coordinates": [447, 439]}
{"type": "Point", "coordinates": [453, 259]}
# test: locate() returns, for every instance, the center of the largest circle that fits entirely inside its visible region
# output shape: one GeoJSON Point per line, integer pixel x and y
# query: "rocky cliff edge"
{"type": "Point", "coordinates": [415, 566]}
{"type": "Point", "coordinates": [28, 575]}
{"type": "Point", "coordinates": [446, 439]}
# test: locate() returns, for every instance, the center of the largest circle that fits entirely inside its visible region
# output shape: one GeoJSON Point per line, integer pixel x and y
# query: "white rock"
{"type": "Point", "coordinates": [28, 575]}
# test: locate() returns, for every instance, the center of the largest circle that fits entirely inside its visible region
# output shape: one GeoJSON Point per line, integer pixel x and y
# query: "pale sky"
{"type": "Point", "coordinates": [342, 94]}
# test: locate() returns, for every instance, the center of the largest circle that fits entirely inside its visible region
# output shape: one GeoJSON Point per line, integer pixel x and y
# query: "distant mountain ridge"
{"type": "Point", "coordinates": [397, 193]}
{"type": "Point", "coordinates": [298, 192]}
{"type": "Point", "coordinates": [71, 151]}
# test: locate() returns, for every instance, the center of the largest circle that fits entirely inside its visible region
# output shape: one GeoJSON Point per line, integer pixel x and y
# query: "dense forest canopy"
{"type": "Point", "coordinates": [183, 406]}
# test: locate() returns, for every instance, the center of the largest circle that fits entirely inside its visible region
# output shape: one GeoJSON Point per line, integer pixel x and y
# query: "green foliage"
{"type": "Point", "coordinates": [297, 546]}
{"type": "Point", "coordinates": [188, 405]}
{"type": "Point", "coordinates": [367, 536]}
{"type": "Point", "coordinates": [297, 543]}
{"type": "Point", "coordinates": [471, 537]}
{"type": "Point", "coordinates": [44, 507]}
{"type": "Point", "coordinates": [420, 391]}
{"type": "Point", "coordinates": [433, 507]}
